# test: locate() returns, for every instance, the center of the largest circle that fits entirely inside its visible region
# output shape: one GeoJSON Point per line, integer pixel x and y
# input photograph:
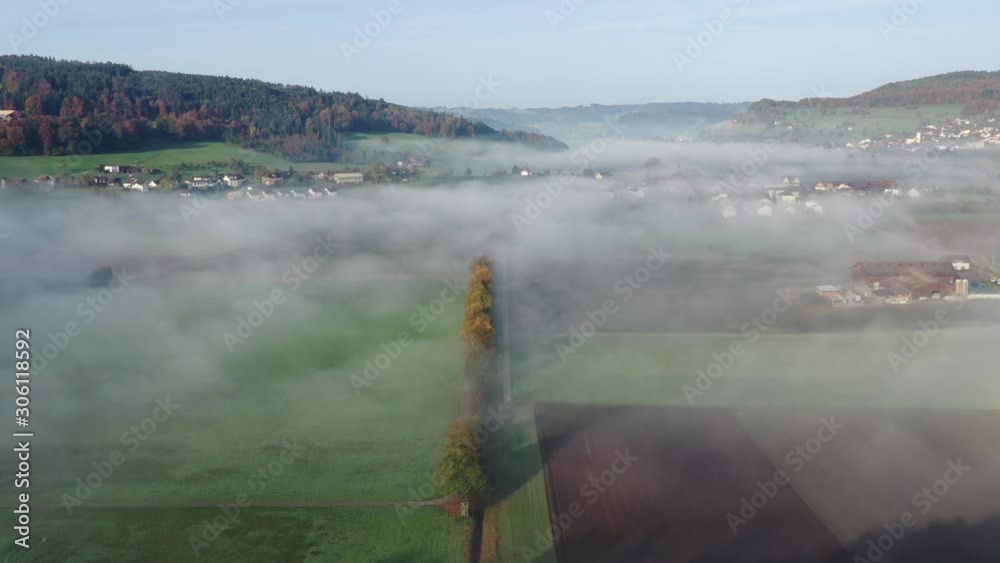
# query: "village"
{"type": "Point", "coordinates": [138, 179]}
{"type": "Point", "coordinates": [791, 196]}
{"type": "Point", "coordinates": [958, 134]}
{"type": "Point", "coordinates": [260, 184]}
{"type": "Point", "coordinates": [951, 278]}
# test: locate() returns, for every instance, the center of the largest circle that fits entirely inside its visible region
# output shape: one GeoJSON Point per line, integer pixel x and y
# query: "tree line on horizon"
{"type": "Point", "coordinates": [977, 92]}
{"type": "Point", "coordinates": [65, 103]}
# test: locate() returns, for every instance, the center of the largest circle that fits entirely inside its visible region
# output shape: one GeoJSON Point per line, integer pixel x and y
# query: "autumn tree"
{"type": "Point", "coordinates": [133, 107]}
{"type": "Point", "coordinates": [478, 333]}
{"type": "Point", "coordinates": [378, 173]}
{"type": "Point", "coordinates": [460, 468]}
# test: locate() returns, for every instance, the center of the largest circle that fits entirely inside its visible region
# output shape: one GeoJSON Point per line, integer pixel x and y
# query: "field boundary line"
{"type": "Point", "coordinates": [737, 414]}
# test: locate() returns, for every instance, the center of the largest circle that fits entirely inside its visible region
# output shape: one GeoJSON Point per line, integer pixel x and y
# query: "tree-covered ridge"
{"type": "Point", "coordinates": [977, 91]}
{"type": "Point", "coordinates": [116, 108]}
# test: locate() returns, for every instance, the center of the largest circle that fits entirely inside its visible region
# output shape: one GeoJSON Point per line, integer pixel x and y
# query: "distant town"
{"type": "Point", "coordinates": [955, 277]}
{"type": "Point", "coordinates": [958, 134]}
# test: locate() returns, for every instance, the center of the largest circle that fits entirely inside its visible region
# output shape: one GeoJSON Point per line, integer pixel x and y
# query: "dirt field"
{"type": "Point", "coordinates": [966, 236]}
{"type": "Point", "coordinates": [685, 479]}
{"type": "Point", "coordinates": [693, 468]}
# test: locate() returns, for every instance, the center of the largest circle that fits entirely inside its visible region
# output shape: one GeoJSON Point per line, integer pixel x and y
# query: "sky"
{"type": "Point", "coordinates": [526, 53]}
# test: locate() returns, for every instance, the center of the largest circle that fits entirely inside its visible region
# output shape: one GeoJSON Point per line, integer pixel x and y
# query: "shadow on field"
{"type": "Point", "coordinates": [519, 467]}
{"type": "Point", "coordinates": [940, 541]}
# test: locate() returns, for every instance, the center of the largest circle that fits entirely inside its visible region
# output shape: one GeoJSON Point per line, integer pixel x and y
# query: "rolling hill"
{"type": "Point", "coordinates": [581, 124]}
{"type": "Point", "coordinates": [115, 108]}
{"type": "Point", "coordinates": [898, 108]}
{"type": "Point", "coordinates": [977, 91]}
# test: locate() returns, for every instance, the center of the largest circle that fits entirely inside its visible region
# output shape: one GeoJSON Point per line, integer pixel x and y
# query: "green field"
{"type": "Point", "coordinates": [261, 535]}
{"type": "Point", "coordinates": [896, 121]}
{"type": "Point", "coordinates": [987, 216]}
{"type": "Point", "coordinates": [362, 149]}
{"type": "Point", "coordinates": [164, 157]}
{"type": "Point", "coordinates": [290, 382]}
{"type": "Point", "coordinates": [236, 414]}
{"type": "Point", "coordinates": [827, 369]}
{"type": "Point", "coordinates": [525, 527]}
{"type": "Point", "coordinates": [844, 125]}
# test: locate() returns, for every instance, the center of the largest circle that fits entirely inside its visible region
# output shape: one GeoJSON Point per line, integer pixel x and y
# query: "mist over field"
{"type": "Point", "coordinates": [563, 254]}
{"type": "Point", "coordinates": [453, 282]}
{"type": "Point", "coordinates": [266, 324]}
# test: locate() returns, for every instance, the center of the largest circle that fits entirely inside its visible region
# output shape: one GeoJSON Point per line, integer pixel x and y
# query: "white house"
{"type": "Point", "coordinates": [135, 186]}
{"type": "Point", "coordinates": [788, 197]}
{"type": "Point", "coordinates": [914, 193]}
{"type": "Point", "coordinates": [814, 206]}
{"type": "Point", "coordinates": [203, 182]}
{"type": "Point", "coordinates": [960, 263]}
{"type": "Point", "coordinates": [349, 178]}
{"type": "Point", "coordinates": [234, 181]}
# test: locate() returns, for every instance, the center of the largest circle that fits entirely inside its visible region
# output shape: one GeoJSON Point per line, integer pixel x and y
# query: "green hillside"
{"type": "Point", "coordinates": [68, 107]}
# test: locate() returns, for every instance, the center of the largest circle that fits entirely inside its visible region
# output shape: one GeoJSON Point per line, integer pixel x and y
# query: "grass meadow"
{"type": "Point", "coordinates": [236, 413]}
{"type": "Point", "coordinates": [819, 369]}
{"type": "Point", "coordinates": [309, 535]}
{"type": "Point", "coordinates": [163, 157]}
{"type": "Point", "coordinates": [363, 149]}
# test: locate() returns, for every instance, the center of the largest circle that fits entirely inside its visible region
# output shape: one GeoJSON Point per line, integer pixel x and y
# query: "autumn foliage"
{"type": "Point", "coordinates": [478, 332]}
{"type": "Point", "coordinates": [72, 107]}
{"type": "Point", "coordinates": [460, 468]}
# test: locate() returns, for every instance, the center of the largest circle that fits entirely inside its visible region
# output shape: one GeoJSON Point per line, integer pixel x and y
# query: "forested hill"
{"type": "Point", "coordinates": [62, 103]}
{"type": "Point", "coordinates": [977, 91]}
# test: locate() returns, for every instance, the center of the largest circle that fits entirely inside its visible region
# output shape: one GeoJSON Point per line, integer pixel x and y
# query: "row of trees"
{"type": "Point", "coordinates": [65, 102]}
{"type": "Point", "coordinates": [461, 465]}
